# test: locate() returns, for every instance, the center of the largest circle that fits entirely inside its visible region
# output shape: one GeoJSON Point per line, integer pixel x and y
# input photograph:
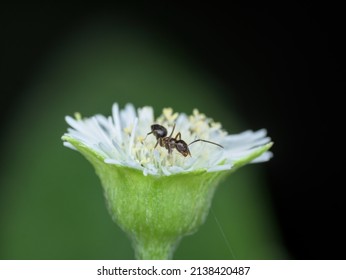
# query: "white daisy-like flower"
{"type": "Point", "coordinates": [125, 139]}
{"type": "Point", "coordinates": [159, 175]}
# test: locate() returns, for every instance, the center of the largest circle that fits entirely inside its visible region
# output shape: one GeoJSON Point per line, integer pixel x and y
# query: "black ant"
{"type": "Point", "coordinates": [170, 143]}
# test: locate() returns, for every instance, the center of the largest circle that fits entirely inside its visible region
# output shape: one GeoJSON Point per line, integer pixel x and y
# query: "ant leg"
{"type": "Point", "coordinates": [172, 131]}
{"type": "Point", "coordinates": [178, 136]}
{"type": "Point", "coordinates": [156, 143]}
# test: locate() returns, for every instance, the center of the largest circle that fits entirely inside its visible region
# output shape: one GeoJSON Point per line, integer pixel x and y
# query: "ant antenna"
{"type": "Point", "coordinates": [205, 142]}
{"type": "Point", "coordinates": [147, 136]}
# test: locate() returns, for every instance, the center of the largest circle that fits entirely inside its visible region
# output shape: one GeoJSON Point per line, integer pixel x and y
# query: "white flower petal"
{"type": "Point", "coordinates": [264, 157]}
{"type": "Point", "coordinates": [69, 145]}
{"type": "Point", "coordinates": [125, 138]}
{"type": "Point", "coordinates": [117, 124]}
{"type": "Point", "coordinates": [220, 168]}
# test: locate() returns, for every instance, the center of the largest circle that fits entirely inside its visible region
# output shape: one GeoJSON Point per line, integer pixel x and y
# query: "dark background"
{"type": "Point", "coordinates": [286, 74]}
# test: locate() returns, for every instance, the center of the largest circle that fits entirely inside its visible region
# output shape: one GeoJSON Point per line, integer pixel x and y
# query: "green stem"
{"type": "Point", "coordinates": [153, 249]}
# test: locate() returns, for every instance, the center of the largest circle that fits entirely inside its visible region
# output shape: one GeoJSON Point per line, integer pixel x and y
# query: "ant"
{"type": "Point", "coordinates": [170, 143]}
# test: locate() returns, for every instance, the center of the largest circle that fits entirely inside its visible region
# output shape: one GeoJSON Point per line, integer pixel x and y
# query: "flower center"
{"type": "Point", "coordinates": [166, 142]}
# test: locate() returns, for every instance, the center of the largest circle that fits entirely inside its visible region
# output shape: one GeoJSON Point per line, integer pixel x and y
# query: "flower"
{"type": "Point", "coordinates": [122, 140]}
{"type": "Point", "coordinates": [155, 193]}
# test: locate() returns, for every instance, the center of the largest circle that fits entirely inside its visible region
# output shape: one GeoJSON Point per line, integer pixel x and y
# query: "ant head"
{"type": "Point", "coordinates": [182, 148]}
{"type": "Point", "coordinates": [158, 130]}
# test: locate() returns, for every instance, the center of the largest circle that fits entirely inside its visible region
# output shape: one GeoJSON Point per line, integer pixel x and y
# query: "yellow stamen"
{"type": "Point", "coordinates": [77, 116]}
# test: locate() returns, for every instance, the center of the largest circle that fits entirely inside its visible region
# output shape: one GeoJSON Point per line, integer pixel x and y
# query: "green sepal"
{"type": "Point", "coordinates": [156, 211]}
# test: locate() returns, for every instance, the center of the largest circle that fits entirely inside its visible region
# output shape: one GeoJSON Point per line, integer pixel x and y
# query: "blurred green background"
{"type": "Point", "coordinates": [51, 201]}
